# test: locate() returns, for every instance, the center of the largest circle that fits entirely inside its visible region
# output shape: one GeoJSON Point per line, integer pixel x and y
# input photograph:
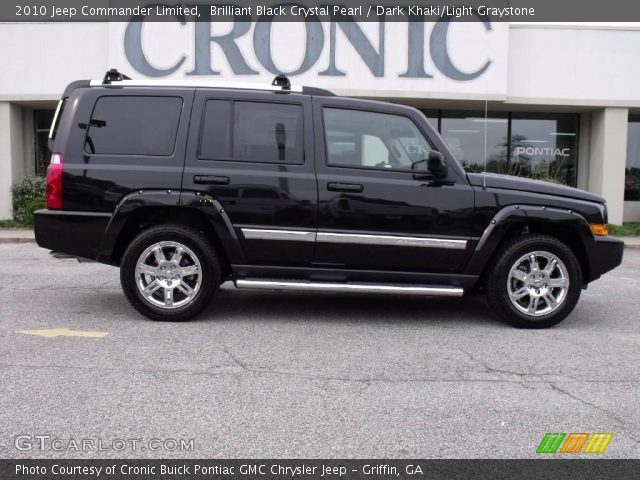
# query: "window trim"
{"type": "Point", "coordinates": [353, 167]}
{"type": "Point", "coordinates": [175, 140]}
{"type": "Point", "coordinates": [232, 102]}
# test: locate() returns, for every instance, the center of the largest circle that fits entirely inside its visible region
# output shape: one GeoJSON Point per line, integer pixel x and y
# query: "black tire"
{"type": "Point", "coordinates": [209, 272]}
{"type": "Point", "coordinates": [499, 282]}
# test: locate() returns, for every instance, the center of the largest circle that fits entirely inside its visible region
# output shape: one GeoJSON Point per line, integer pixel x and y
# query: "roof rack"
{"type": "Point", "coordinates": [279, 84]}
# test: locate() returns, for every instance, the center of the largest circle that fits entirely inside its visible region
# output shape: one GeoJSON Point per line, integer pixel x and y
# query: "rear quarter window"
{"type": "Point", "coordinates": [134, 125]}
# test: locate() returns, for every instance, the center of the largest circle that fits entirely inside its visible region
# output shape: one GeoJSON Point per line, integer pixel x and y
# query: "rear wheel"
{"type": "Point", "coordinates": [535, 282]}
{"type": "Point", "coordinates": [170, 272]}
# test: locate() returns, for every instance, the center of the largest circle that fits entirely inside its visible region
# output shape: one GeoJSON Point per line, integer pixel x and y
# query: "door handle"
{"type": "Point", "coordinates": [211, 180]}
{"type": "Point", "coordinates": [345, 187]}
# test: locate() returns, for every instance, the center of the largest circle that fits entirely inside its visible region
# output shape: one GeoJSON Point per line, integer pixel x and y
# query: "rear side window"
{"type": "Point", "coordinates": [252, 132]}
{"type": "Point", "coordinates": [131, 125]}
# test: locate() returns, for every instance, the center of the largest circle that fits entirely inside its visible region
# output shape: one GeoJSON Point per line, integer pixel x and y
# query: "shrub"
{"type": "Point", "coordinates": [33, 205]}
{"type": "Point", "coordinates": [25, 194]}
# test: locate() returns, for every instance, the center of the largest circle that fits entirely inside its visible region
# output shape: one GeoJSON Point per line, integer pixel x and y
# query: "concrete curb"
{"type": "Point", "coordinates": [629, 242]}
{"type": "Point", "coordinates": [16, 235]}
{"type": "Point", "coordinates": [17, 240]}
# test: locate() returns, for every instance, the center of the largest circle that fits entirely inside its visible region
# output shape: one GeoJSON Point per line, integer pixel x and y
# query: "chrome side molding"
{"type": "Point", "coordinates": [352, 238]}
{"type": "Point", "coordinates": [350, 287]}
{"type": "Point", "coordinates": [265, 234]}
{"type": "Point", "coordinates": [363, 239]}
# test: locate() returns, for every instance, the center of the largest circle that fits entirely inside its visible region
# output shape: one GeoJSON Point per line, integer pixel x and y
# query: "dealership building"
{"type": "Point", "coordinates": [559, 102]}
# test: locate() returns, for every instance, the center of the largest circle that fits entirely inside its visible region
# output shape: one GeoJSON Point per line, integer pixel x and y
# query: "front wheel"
{"type": "Point", "coordinates": [534, 282]}
{"type": "Point", "coordinates": [170, 272]}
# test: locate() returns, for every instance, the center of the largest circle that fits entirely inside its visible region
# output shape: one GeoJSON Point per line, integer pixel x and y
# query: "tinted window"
{"type": "Point", "coordinates": [374, 140]}
{"type": "Point", "coordinates": [216, 130]}
{"type": "Point", "coordinates": [267, 132]}
{"type": "Point", "coordinates": [256, 132]}
{"type": "Point", "coordinates": [131, 125]}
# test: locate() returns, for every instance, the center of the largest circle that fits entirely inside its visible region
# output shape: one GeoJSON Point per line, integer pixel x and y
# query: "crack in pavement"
{"type": "Point", "coordinates": [555, 387]}
{"type": "Point", "coordinates": [490, 369]}
{"type": "Point", "coordinates": [249, 369]}
{"type": "Point", "coordinates": [606, 412]}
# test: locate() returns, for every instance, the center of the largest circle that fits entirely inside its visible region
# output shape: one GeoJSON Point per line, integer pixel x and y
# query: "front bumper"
{"type": "Point", "coordinates": [78, 234]}
{"type": "Point", "coordinates": [606, 256]}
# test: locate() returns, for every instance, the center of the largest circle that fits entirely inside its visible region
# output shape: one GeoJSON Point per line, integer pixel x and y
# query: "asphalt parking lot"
{"type": "Point", "coordinates": [264, 374]}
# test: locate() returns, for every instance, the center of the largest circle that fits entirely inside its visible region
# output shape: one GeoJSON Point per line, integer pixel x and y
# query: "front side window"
{"type": "Point", "coordinates": [130, 125]}
{"type": "Point", "coordinates": [374, 140]}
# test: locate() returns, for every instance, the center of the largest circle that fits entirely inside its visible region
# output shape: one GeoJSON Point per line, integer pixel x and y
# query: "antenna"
{"type": "Point", "coordinates": [486, 114]}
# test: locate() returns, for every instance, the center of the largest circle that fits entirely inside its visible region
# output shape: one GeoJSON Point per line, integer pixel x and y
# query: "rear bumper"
{"type": "Point", "coordinates": [75, 233]}
{"type": "Point", "coordinates": [606, 256]}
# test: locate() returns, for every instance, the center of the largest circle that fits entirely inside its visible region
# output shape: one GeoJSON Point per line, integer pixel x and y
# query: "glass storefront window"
{"type": "Point", "coordinates": [464, 132]}
{"type": "Point", "coordinates": [545, 146]}
{"type": "Point", "coordinates": [42, 122]}
{"type": "Point", "coordinates": [433, 116]}
{"type": "Point", "coordinates": [632, 170]}
{"type": "Point", "coordinates": [535, 145]}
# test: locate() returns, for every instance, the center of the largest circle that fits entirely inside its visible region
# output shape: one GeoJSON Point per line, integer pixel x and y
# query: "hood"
{"type": "Point", "coordinates": [508, 182]}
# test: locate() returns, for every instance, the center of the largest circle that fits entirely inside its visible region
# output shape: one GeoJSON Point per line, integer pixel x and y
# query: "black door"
{"type": "Point", "coordinates": [377, 207]}
{"type": "Point", "coordinates": [250, 152]}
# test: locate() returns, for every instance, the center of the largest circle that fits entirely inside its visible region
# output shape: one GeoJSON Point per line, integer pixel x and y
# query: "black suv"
{"type": "Point", "coordinates": [186, 186]}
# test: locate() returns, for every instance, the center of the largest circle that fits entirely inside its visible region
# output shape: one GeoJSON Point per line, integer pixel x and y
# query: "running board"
{"type": "Point", "coordinates": [349, 287]}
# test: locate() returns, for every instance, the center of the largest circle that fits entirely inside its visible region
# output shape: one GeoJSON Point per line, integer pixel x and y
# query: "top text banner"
{"type": "Point", "coordinates": [308, 10]}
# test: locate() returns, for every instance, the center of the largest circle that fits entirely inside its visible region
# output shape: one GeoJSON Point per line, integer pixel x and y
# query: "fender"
{"type": "Point", "coordinates": [209, 206]}
{"type": "Point", "coordinates": [515, 215]}
{"type": "Point", "coordinates": [219, 220]}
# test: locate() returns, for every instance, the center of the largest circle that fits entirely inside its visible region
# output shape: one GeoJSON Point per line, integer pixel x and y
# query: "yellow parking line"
{"type": "Point", "coordinates": [64, 332]}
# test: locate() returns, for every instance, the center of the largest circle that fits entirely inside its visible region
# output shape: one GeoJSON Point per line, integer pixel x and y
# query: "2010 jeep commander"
{"type": "Point", "coordinates": [185, 186]}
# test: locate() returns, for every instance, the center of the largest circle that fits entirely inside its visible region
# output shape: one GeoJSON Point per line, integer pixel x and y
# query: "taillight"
{"type": "Point", "coordinates": [54, 182]}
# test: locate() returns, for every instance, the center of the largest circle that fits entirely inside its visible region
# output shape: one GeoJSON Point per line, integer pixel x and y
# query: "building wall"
{"type": "Point", "coordinates": [584, 66]}
{"type": "Point", "coordinates": [588, 70]}
{"type": "Point", "coordinates": [11, 153]}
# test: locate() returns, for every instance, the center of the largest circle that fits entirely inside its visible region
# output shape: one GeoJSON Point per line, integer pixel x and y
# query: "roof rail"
{"type": "Point", "coordinates": [279, 84]}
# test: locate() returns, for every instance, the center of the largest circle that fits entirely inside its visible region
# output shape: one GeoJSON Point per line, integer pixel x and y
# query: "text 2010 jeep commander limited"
{"type": "Point", "coordinates": [185, 186]}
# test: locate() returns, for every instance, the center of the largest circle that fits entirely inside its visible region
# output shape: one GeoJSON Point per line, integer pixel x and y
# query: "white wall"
{"type": "Point", "coordinates": [574, 65]}
{"type": "Point", "coordinates": [608, 157]}
{"type": "Point", "coordinates": [39, 60]}
{"type": "Point", "coordinates": [11, 153]}
{"type": "Point", "coordinates": [632, 211]}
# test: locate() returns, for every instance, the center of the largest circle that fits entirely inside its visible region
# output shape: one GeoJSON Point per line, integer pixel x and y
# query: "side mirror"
{"type": "Point", "coordinates": [437, 166]}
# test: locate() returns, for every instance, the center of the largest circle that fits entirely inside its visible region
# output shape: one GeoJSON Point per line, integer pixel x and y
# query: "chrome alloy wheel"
{"type": "Point", "coordinates": [538, 283]}
{"type": "Point", "coordinates": [168, 275]}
